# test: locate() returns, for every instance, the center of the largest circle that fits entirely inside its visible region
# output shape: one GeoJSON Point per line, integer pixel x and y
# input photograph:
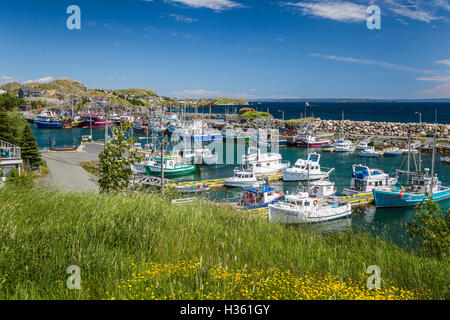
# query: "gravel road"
{"type": "Point", "coordinates": [66, 172]}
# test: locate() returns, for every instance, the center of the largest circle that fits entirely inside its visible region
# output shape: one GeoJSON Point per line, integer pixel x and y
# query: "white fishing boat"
{"type": "Point", "coordinates": [303, 170]}
{"type": "Point", "coordinates": [243, 179]}
{"type": "Point", "coordinates": [300, 208]}
{"type": "Point", "coordinates": [366, 180]}
{"type": "Point", "coordinates": [139, 168]}
{"type": "Point", "coordinates": [264, 163]}
{"type": "Point", "coordinates": [343, 145]}
{"type": "Point", "coordinates": [370, 152]}
{"type": "Point", "coordinates": [363, 144]}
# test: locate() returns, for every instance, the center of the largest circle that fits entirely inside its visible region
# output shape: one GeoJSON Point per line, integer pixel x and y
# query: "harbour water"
{"type": "Point", "coordinates": [387, 223]}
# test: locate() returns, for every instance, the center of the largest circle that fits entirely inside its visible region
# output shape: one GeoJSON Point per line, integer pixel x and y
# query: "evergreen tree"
{"type": "Point", "coordinates": [30, 150]}
{"type": "Point", "coordinates": [116, 157]}
{"type": "Point", "coordinates": [5, 128]}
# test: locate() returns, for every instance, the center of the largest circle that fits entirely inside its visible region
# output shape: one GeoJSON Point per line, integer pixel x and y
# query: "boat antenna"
{"type": "Point", "coordinates": [434, 152]}
{"type": "Point", "coordinates": [409, 157]}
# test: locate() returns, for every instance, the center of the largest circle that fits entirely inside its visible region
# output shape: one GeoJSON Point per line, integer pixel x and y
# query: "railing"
{"type": "Point", "coordinates": [9, 151]}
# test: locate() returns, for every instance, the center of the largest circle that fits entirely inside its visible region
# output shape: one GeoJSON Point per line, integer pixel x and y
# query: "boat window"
{"type": "Point", "coordinates": [307, 203]}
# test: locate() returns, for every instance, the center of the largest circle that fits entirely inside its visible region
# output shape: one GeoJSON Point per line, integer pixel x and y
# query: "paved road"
{"type": "Point", "coordinates": [66, 172]}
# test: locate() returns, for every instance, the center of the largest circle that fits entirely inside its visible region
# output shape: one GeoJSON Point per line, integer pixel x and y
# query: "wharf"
{"type": "Point", "coordinates": [219, 183]}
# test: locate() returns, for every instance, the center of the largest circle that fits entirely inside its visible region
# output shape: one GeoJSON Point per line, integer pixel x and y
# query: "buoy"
{"type": "Point", "coordinates": [316, 202]}
{"type": "Point", "coordinates": [401, 195]}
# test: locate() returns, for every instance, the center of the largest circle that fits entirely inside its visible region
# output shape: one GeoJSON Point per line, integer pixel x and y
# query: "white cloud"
{"type": "Point", "coordinates": [42, 80]}
{"type": "Point", "coordinates": [386, 65]}
{"type": "Point", "coordinates": [435, 78]}
{"type": "Point", "coordinates": [444, 62]}
{"type": "Point", "coordinates": [183, 18]}
{"type": "Point", "coordinates": [210, 4]}
{"type": "Point", "coordinates": [420, 10]}
{"type": "Point", "coordinates": [335, 10]}
{"type": "Point", "coordinates": [442, 90]}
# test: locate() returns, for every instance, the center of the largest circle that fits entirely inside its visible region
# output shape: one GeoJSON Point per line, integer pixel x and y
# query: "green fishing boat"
{"type": "Point", "coordinates": [171, 168]}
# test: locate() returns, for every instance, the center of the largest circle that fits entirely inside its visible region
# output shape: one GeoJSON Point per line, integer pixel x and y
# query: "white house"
{"type": "Point", "coordinates": [10, 158]}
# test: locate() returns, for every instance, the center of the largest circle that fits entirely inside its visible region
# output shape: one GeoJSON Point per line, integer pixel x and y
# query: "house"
{"type": "Point", "coordinates": [99, 100]}
{"type": "Point", "coordinates": [28, 93]}
{"type": "Point", "coordinates": [10, 158]}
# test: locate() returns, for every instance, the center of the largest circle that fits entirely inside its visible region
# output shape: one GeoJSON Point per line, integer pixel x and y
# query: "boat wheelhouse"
{"type": "Point", "coordinates": [304, 170]}
{"type": "Point", "coordinates": [366, 180]}
{"type": "Point", "coordinates": [243, 179]}
{"type": "Point", "coordinates": [264, 163]}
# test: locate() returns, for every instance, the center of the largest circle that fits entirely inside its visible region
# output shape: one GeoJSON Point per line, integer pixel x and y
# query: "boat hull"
{"type": "Point", "coordinates": [49, 124]}
{"type": "Point", "coordinates": [298, 176]}
{"type": "Point", "coordinates": [156, 171]}
{"type": "Point", "coordinates": [287, 215]}
{"type": "Point", "coordinates": [389, 199]}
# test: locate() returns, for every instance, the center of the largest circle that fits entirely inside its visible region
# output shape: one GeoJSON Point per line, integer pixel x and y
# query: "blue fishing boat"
{"type": "Point", "coordinates": [422, 186]}
{"type": "Point", "coordinates": [48, 120]}
{"type": "Point", "coordinates": [413, 195]}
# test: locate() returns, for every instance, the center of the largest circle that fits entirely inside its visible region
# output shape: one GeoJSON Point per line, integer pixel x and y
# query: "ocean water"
{"type": "Point", "coordinates": [358, 111]}
{"type": "Point", "coordinates": [387, 223]}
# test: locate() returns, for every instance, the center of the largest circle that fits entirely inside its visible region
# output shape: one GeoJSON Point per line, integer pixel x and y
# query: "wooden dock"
{"type": "Point", "coordinates": [220, 183]}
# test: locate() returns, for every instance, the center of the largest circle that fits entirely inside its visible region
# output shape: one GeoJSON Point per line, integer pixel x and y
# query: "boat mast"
{"type": "Point", "coordinates": [409, 157]}
{"type": "Point", "coordinates": [433, 154]}
{"type": "Point", "coordinates": [148, 119]}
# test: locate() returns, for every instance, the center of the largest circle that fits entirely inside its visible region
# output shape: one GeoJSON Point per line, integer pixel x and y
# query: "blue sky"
{"type": "Point", "coordinates": [240, 48]}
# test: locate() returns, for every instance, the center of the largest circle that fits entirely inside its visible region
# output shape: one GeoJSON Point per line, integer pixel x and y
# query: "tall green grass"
{"type": "Point", "coordinates": [42, 232]}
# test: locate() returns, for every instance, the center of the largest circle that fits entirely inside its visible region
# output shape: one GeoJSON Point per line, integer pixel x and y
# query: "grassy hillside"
{"type": "Point", "coordinates": [143, 247]}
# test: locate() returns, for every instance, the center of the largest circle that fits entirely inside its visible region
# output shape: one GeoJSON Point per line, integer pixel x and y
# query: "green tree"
{"type": "Point", "coordinates": [115, 160]}
{"type": "Point", "coordinates": [432, 227]}
{"type": "Point", "coordinates": [5, 128]}
{"type": "Point", "coordinates": [30, 149]}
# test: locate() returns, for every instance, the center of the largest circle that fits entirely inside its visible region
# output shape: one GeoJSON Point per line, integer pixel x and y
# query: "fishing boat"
{"type": "Point", "coordinates": [307, 140]}
{"type": "Point", "coordinates": [77, 121]}
{"type": "Point", "coordinates": [363, 145]}
{"type": "Point", "coordinates": [370, 152]}
{"type": "Point", "coordinates": [445, 159]}
{"type": "Point", "coordinates": [48, 120]}
{"type": "Point", "coordinates": [243, 179]}
{"type": "Point", "coordinates": [300, 208]}
{"type": "Point", "coordinates": [303, 170]}
{"type": "Point", "coordinates": [365, 179]}
{"type": "Point", "coordinates": [392, 152]}
{"type": "Point", "coordinates": [140, 127]}
{"type": "Point", "coordinates": [263, 163]}
{"type": "Point", "coordinates": [139, 168]}
{"type": "Point", "coordinates": [343, 145]}
{"type": "Point", "coordinates": [423, 184]}
{"type": "Point", "coordinates": [172, 167]}
{"type": "Point", "coordinates": [259, 197]}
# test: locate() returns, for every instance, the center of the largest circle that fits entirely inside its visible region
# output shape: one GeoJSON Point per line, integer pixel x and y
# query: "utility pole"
{"type": "Point", "coordinates": [162, 164]}
{"type": "Point", "coordinates": [282, 116]}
